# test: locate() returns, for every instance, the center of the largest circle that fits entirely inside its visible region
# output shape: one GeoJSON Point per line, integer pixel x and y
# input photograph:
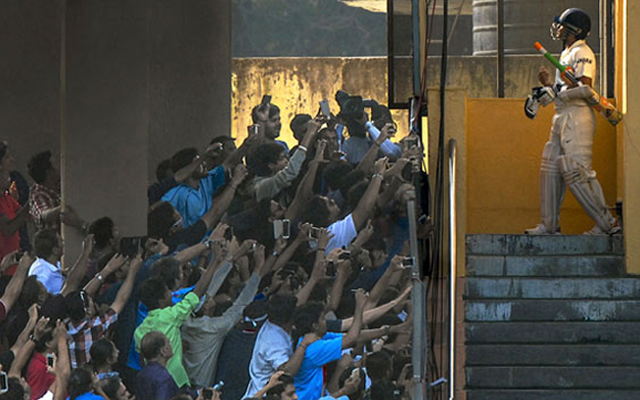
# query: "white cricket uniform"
{"type": "Point", "coordinates": [574, 123]}
{"type": "Point", "coordinates": [567, 157]}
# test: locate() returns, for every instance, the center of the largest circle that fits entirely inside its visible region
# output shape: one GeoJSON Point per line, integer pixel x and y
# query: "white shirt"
{"type": "Point", "coordinates": [273, 348]}
{"type": "Point", "coordinates": [580, 57]}
{"type": "Point", "coordinates": [343, 231]}
{"type": "Point", "coordinates": [50, 275]}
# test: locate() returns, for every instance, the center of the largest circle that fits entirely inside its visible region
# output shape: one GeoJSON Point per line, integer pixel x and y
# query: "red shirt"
{"type": "Point", "coordinates": [37, 376]}
{"type": "Point", "coordinates": [8, 207]}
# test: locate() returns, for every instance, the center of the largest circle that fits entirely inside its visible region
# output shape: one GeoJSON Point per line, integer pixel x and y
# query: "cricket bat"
{"type": "Point", "coordinates": [598, 102]}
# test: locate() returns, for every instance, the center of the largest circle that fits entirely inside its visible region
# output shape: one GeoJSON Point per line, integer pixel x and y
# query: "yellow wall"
{"type": "Point", "coordinates": [298, 84]}
{"type": "Point", "coordinates": [504, 149]}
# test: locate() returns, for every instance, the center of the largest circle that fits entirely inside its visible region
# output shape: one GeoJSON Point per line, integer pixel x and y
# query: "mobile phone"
{"type": "Point", "coordinates": [286, 229]}
{"type": "Point", "coordinates": [345, 255]}
{"type": "Point", "coordinates": [4, 383]}
{"type": "Point", "coordinates": [314, 233]}
{"type": "Point", "coordinates": [130, 246]}
{"type": "Point", "coordinates": [331, 269]}
{"type": "Point", "coordinates": [85, 299]}
{"type": "Point", "coordinates": [207, 393]}
{"type": "Point", "coordinates": [324, 108]}
{"type": "Point", "coordinates": [253, 129]}
{"type": "Point", "coordinates": [228, 234]}
{"type": "Point", "coordinates": [50, 360]}
{"type": "Point", "coordinates": [407, 262]}
{"type": "Point", "coordinates": [266, 99]}
{"type": "Point", "coordinates": [218, 386]}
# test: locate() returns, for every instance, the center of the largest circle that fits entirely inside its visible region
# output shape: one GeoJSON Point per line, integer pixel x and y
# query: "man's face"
{"type": "Point", "coordinates": [58, 249]}
{"type": "Point", "coordinates": [334, 210]}
{"type": "Point", "coordinates": [289, 393]}
{"type": "Point", "coordinates": [332, 142]}
{"type": "Point", "coordinates": [281, 164]}
{"type": "Point", "coordinates": [322, 325]}
{"type": "Point", "coordinates": [53, 174]}
{"type": "Point", "coordinates": [273, 127]}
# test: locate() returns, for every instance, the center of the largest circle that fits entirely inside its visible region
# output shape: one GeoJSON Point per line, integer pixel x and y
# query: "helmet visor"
{"type": "Point", "coordinates": [555, 30]}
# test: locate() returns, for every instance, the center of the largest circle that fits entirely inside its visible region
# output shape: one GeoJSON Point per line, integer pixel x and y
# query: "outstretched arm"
{"type": "Point", "coordinates": [75, 274]}
{"type": "Point", "coordinates": [127, 286]}
{"type": "Point", "coordinates": [366, 204]}
{"type": "Point", "coordinates": [14, 287]}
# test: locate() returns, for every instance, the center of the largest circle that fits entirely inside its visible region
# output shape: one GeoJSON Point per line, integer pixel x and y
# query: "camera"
{"type": "Point", "coordinates": [314, 233]}
{"type": "Point", "coordinates": [331, 269]}
{"type": "Point", "coordinates": [50, 360]}
{"type": "Point", "coordinates": [352, 106]}
{"type": "Point", "coordinates": [408, 262]}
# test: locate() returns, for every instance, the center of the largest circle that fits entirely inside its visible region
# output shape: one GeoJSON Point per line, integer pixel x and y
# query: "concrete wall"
{"type": "Point", "coordinates": [630, 133]}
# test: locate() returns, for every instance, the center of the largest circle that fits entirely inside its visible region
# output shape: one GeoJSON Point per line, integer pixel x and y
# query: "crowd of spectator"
{"type": "Point", "coordinates": [267, 272]}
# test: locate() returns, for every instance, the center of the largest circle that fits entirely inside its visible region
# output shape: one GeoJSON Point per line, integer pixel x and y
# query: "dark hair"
{"type": "Point", "coordinates": [382, 390]}
{"type": "Point", "coordinates": [298, 125]}
{"type": "Point", "coordinates": [160, 219]}
{"type": "Point", "coordinates": [265, 154]}
{"type": "Point", "coordinates": [335, 173]}
{"type": "Point", "coordinates": [305, 317]}
{"type": "Point", "coordinates": [102, 230]}
{"type": "Point", "coordinates": [15, 390]}
{"type": "Point", "coordinates": [111, 386]}
{"type": "Point", "coordinates": [3, 149]}
{"type": "Point", "coordinates": [75, 306]}
{"type": "Point", "coordinates": [281, 308]}
{"type": "Point", "coordinates": [100, 352]}
{"type": "Point", "coordinates": [283, 381]}
{"type": "Point", "coordinates": [356, 193]}
{"type": "Point", "coordinates": [319, 292]}
{"type": "Point", "coordinates": [317, 212]}
{"type": "Point", "coordinates": [44, 242]}
{"type": "Point", "coordinates": [30, 292]}
{"type": "Point", "coordinates": [38, 166]}
{"type": "Point", "coordinates": [79, 382]}
{"type": "Point", "coordinates": [163, 168]}
{"type": "Point", "coordinates": [152, 344]}
{"type": "Point", "coordinates": [166, 269]}
{"type": "Point", "coordinates": [380, 116]}
{"type": "Point", "coordinates": [222, 139]}
{"type": "Point", "coordinates": [273, 111]}
{"type": "Point", "coordinates": [151, 292]}
{"type": "Point", "coordinates": [379, 366]}
{"type": "Point", "coordinates": [183, 158]}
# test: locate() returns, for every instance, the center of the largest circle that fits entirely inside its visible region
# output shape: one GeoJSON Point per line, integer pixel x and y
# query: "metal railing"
{"type": "Point", "coordinates": [452, 267]}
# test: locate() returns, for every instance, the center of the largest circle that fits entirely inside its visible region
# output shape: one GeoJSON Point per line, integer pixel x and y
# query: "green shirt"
{"type": "Point", "coordinates": [168, 321]}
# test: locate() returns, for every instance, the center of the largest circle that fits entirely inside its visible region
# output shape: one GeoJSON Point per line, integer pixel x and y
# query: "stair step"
{"type": "Point", "coordinates": [552, 310]}
{"type": "Point", "coordinates": [552, 266]}
{"type": "Point", "coordinates": [553, 395]}
{"type": "Point", "coordinates": [553, 378]}
{"type": "Point", "coordinates": [551, 288]}
{"type": "Point", "coordinates": [552, 332]}
{"type": "Point", "coordinates": [544, 245]}
{"type": "Point", "coordinates": [553, 355]}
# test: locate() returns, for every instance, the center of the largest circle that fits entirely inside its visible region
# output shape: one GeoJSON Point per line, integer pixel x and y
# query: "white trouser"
{"type": "Point", "coordinates": [567, 160]}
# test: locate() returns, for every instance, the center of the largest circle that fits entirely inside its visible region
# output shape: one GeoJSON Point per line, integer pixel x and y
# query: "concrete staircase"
{"type": "Point", "coordinates": [550, 318]}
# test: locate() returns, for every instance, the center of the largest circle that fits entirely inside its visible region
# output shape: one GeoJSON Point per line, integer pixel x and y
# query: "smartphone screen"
{"type": "Point", "coordinates": [4, 382]}
{"type": "Point", "coordinates": [286, 229]}
{"type": "Point", "coordinates": [50, 360]}
{"type": "Point", "coordinates": [277, 229]}
{"type": "Point", "coordinates": [324, 107]}
{"type": "Point", "coordinates": [207, 393]}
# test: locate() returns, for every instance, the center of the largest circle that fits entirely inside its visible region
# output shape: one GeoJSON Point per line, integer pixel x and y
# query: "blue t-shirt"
{"type": "Point", "coordinates": [192, 203]}
{"type": "Point", "coordinates": [310, 378]}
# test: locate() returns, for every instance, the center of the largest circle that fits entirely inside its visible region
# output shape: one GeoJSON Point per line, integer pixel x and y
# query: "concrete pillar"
{"type": "Point", "coordinates": [189, 75]}
{"type": "Point", "coordinates": [630, 131]}
{"type": "Point", "coordinates": [143, 79]}
{"type": "Point", "coordinates": [29, 77]}
{"type": "Point", "coordinates": [105, 113]}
